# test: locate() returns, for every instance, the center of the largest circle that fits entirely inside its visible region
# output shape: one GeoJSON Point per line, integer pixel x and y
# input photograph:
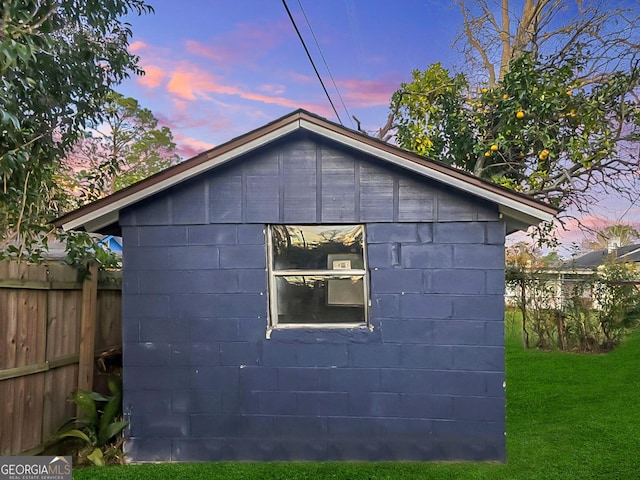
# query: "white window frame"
{"type": "Point", "coordinates": [274, 274]}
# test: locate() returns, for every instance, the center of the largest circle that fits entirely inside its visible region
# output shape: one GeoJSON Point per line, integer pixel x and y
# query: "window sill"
{"type": "Point", "coordinates": [318, 327]}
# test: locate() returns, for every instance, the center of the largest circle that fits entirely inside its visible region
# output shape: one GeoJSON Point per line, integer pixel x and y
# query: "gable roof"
{"type": "Point", "coordinates": [518, 210]}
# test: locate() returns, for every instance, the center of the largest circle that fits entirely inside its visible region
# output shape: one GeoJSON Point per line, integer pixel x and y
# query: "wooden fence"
{"type": "Point", "coordinates": [51, 328]}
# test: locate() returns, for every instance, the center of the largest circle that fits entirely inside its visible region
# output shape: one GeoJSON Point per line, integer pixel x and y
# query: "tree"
{"type": "Point", "coordinates": [619, 233]}
{"type": "Point", "coordinates": [495, 32]}
{"type": "Point", "coordinates": [556, 115]}
{"type": "Point", "coordinates": [60, 60]}
{"type": "Point", "coordinates": [127, 146]}
{"type": "Point", "coordinates": [527, 276]}
{"type": "Point", "coordinates": [616, 293]}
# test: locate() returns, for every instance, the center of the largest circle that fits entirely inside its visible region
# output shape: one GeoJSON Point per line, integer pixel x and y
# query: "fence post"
{"type": "Point", "coordinates": [88, 329]}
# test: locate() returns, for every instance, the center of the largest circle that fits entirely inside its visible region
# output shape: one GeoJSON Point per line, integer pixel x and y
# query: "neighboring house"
{"type": "Point", "coordinates": [57, 249]}
{"type": "Point", "coordinates": [579, 270]}
{"type": "Point", "coordinates": [592, 260]}
{"type": "Point", "coordinates": [306, 292]}
{"type": "Point", "coordinates": [112, 242]}
{"type": "Point", "coordinates": [575, 277]}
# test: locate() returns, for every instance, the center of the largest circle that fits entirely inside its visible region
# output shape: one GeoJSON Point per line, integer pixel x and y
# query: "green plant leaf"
{"type": "Point", "coordinates": [87, 411]}
{"type": "Point", "coordinates": [77, 434]}
{"type": "Point", "coordinates": [96, 457]}
{"type": "Point", "coordinates": [110, 412]}
{"type": "Point", "coordinates": [98, 397]}
{"type": "Point", "coordinates": [115, 384]}
{"type": "Point", "coordinates": [111, 431]}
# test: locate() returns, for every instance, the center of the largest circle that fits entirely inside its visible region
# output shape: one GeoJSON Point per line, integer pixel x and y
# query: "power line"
{"type": "Point", "coordinates": [628, 209]}
{"type": "Point", "coordinates": [324, 60]}
{"type": "Point", "coordinates": [293, 22]}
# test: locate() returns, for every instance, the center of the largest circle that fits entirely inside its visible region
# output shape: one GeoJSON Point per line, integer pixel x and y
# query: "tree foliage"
{"type": "Point", "coordinates": [538, 131]}
{"type": "Point", "coordinates": [58, 62]}
{"type": "Point", "coordinates": [495, 32]}
{"type": "Point", "coordinates": [567, 308]}
{"type": "Point", "coordinates": [527, 278]}
{"type": "Point", "coordinates": [621, 234]}
{"type": "Point", "coordinates": [556, 115]}
{"type": "Point", "coordinates": [616, 294]}
{"type": "Point", "coordinates": [127, 146]}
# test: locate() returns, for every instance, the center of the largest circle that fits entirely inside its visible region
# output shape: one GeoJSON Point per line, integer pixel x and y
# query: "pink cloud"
{"type": "Point", "coordinates": [275, 89]}
{"type": "Point", "coordinates": [179, 104]}
{"type": "Point", "coordinates": [182, 84]}
{"type": "Point", "coordinates": [153, 77]}
{"type": "Point", "coordinates": [246, 41]}
{"type": "Point", "coordinates": [189, 82]}
{"type": "Point", "coordinates": [185, 120]}
{"type": "Point", "coordinates": [153, 60]}
{"type": "Point", "coordinates": [186, 82]}
{"type": "Point", "coordinates": [575, 229]}
{"type": "Point", "coordinates": [199, 48]}
{"type": "Point", "coordinates": [188, 147]}
{"type": "Point", "coordinates": [367, 93]}
{"type": "Point", "coordinates": [283, 102]}
{"type": "Point", "coordinates": [138, 46]}
{"type": "Point", "coordinates": [301, 78]}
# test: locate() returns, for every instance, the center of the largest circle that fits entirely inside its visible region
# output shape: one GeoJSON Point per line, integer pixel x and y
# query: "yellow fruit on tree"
{"type": "Point", "coordinates": [519, 114]}
{"type": "Point", "coordinates": [544, 154]}
{"type": "Point", "coordinates": [487, 153]}
{"type": "Point", "coordinates": [494, 148]}
{"type": "Point", "coordinates": [505, 96]}
{"type": "Point", "coordinates": [484, 90]}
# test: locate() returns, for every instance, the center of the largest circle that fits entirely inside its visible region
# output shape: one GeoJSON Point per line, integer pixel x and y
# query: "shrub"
{"type": "Point", "coordinates": [98, 425]}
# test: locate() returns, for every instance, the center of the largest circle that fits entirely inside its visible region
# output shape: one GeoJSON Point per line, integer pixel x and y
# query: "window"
{"type": "Point", "coordinates": [318, 275]}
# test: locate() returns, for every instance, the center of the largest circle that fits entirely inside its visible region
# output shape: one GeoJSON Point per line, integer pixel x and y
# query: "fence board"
{"type": "Point", "coordinates": [57, 409]}
{"type": "Point", "coordinates": [40, 334]}
{"type": "Point", "coordinates": [8, 307]}
{"type": "Point", "coordinates": [88, 320]}
{"type": "Point", "coordinates": [108, 331]}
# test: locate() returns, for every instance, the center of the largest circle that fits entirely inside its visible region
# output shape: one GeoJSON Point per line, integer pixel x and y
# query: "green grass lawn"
{"type": "Point", "coordinates": [568, 416]}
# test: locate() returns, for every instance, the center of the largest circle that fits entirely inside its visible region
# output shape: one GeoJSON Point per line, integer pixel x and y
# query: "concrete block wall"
{"type": "Point", "coordinates": [204, 381]}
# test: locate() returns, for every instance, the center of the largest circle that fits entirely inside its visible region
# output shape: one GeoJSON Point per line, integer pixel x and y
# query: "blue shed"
{"type": "Point", "coordinates": [307, 292]}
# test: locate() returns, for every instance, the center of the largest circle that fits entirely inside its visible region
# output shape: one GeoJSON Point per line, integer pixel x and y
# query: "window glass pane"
{"type": "Point", "coordinates": [319, 299]}
{"type": "Point", "coordinates": [317, 247]}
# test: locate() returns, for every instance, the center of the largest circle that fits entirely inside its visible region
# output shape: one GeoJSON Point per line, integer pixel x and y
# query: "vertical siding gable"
{"type": "Point", "coordinates": [339, 187]}
{"type": "Point", "coordinates": [261, 178]}
{"type": "Point", "coordinates": [377, 187]}
{"type": "Point", "coordinates": [299, 163]}
{"type": "Point", "coordinates": [302, 179]}
{"type": "Point", "coordinates": [415, 202]}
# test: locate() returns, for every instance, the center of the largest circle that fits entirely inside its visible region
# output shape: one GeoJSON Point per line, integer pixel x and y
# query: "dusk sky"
{"type": "Point", "coordinates": [215, 70]}
{"type": "Point", "coordinates": [218, 69]}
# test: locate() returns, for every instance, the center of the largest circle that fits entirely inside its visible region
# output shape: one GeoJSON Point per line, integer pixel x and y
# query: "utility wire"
{"type": "Point", "coordinates": [324, 60]}
{"type": "Point", "coordinates": [293, 22]}
{"type": "Point", "coordinates": [628, 209]}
